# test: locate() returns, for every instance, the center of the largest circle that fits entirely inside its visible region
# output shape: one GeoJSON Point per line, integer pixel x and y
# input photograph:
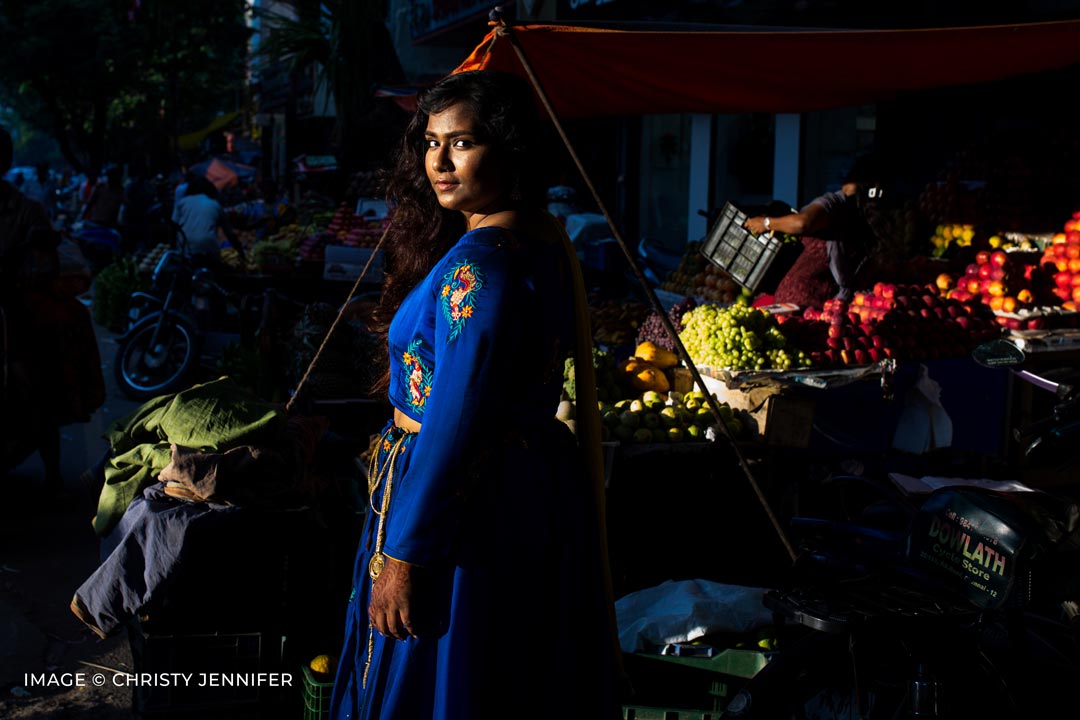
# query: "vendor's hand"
{"type": "Point", "coordinates": [756, 225]}
{"type": "Point", "coordinates": [393, 601]}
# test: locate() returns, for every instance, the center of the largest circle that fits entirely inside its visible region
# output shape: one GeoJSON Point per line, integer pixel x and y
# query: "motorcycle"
{"type": "Point", "coordinates": [185, 320]}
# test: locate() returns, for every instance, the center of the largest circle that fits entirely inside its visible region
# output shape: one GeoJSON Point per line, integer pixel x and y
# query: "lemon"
{"type": "Point", "coordinates": [323, 664]}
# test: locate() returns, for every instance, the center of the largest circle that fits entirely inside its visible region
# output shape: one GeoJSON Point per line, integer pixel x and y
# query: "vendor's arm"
{"type": "Point", "coordinates": [812, 218]}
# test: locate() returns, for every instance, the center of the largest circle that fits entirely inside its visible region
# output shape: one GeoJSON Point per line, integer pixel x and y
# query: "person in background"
{"type": "Point", "coordinates": [52, 369]}
{"type": "Point", "coordinates": [838, 230]}
{"type": "Point", "coordinates": [42, 189]}
{"type": "Point", "coordinates": [479, 581]}
{"type": "Point", "coordinates": [202, 217]}
{"type": "Point", "coordinates": [182, 187]}
{"type": "Point", "coordinates": [138, 199]}
{"type": "Point", "coordinates": [106, 199]}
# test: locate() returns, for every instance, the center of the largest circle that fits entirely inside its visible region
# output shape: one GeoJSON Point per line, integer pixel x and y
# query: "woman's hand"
{"type": "Point", "coordinates": [393, 600]}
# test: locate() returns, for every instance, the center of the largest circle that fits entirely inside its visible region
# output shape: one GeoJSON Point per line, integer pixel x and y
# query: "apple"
{"type": "Point", "coordinates": [998, 273]}
{"type": "Point", "coordinates": [984, 270]}
{"type": "Point", "coordinates": [971, 269]}
{"type": "Point", "coordinates": [982, 257]}
{"type": "Point", "coordinates": [1063, 279]}
{"type": "Point", "coordinates": [999, 258]}
{"type": "Point", "coordinates": [861, 357]}
{"type": "Point", "coordinates": [944, 281]}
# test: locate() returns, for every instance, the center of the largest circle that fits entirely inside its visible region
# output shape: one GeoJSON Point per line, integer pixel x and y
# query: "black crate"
{"type": "Point", "coordinates": [744, 256]}
{"type": "Point", "coordinates": [221, 655]}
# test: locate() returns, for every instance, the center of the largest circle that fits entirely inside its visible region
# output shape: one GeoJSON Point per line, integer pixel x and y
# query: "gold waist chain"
{"type": "Point", "coordinates": [376, 476]}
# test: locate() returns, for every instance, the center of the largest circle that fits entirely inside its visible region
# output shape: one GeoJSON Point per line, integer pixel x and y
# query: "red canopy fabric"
{"type": "Point", "coordinates": [589, 72]}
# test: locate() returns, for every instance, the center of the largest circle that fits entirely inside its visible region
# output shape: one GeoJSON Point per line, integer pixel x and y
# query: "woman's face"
{"type": "Point", "coordinates": [464, 170]}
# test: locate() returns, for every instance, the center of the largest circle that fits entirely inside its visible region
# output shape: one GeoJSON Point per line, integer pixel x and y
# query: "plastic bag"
{"type": "Point", "coordinates": [924, 425]}
{"type": "Point", "coordinates": [681, 611]}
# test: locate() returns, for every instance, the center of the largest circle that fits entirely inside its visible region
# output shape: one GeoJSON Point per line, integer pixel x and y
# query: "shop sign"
{"type": "Point", "coordinates": [970, 544]}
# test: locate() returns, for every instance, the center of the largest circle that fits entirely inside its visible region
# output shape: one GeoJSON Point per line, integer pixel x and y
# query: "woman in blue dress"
{"type": "Point", "coordinates": [479, 585]}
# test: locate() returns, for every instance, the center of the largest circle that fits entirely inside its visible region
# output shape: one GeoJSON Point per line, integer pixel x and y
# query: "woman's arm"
{"type": "Point", "coordinates": [473, 318]}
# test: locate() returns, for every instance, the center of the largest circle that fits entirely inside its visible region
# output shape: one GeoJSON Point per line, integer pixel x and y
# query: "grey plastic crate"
{"type": "Point", "coordinates": [744, 256]}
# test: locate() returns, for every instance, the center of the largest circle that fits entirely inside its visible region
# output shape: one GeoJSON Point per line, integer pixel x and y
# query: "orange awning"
{"type": "Point", "coordinates": [590, 72]}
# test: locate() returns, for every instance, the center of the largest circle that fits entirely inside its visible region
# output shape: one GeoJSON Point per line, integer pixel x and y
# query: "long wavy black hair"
{"type": "Point", "coordinates": [422, 230]}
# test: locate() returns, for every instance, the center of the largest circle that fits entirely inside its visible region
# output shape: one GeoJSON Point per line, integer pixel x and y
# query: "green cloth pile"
{"type": "Point", "coordinates": [214, 416]}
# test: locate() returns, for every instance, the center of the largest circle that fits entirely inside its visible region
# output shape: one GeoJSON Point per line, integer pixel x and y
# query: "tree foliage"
{"type": "Point", "coordinates": [348, 43]}
{"type": "Point", "coordinates": [118, 80]}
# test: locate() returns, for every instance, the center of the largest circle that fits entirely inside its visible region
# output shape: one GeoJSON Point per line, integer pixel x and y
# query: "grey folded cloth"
{"type": "Point", "coordinates": [245, 474]}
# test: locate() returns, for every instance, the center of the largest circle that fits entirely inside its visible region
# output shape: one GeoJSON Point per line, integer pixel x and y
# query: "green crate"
{"type": "Point", "coordinates": [316, 696]}
{"type": "Point", "coordinates": [695, 684]}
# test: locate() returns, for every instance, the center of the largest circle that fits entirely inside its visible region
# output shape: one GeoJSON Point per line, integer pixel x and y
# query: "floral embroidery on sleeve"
{"type": "Point", "coordinates": [459, 289]}
{"type": "Point", "coordinates": [417, 377]}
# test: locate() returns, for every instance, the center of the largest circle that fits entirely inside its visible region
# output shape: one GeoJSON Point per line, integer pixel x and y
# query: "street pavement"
{"type": "Point", "coordinates": [48, 549]}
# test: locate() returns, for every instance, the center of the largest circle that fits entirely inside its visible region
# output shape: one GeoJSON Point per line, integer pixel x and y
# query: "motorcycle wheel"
{"type": "Point", "coordinates": [142, 371]}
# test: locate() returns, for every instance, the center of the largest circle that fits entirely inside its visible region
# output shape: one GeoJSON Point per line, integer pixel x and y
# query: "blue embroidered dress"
{"type": "Point", "coordinates": [490, 498]}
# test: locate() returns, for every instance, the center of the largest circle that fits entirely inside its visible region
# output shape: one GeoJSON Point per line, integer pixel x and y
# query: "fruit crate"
{"type": "Point", "coordinates": [316, 696]}
{"type": "Point", "coordinates": [744, 256]}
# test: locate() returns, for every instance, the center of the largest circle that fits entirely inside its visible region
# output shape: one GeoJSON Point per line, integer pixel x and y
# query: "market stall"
{"type": "Point", "coordinates": [786, 373]}
{"type": "Point", "coordinates": [931, 309]}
